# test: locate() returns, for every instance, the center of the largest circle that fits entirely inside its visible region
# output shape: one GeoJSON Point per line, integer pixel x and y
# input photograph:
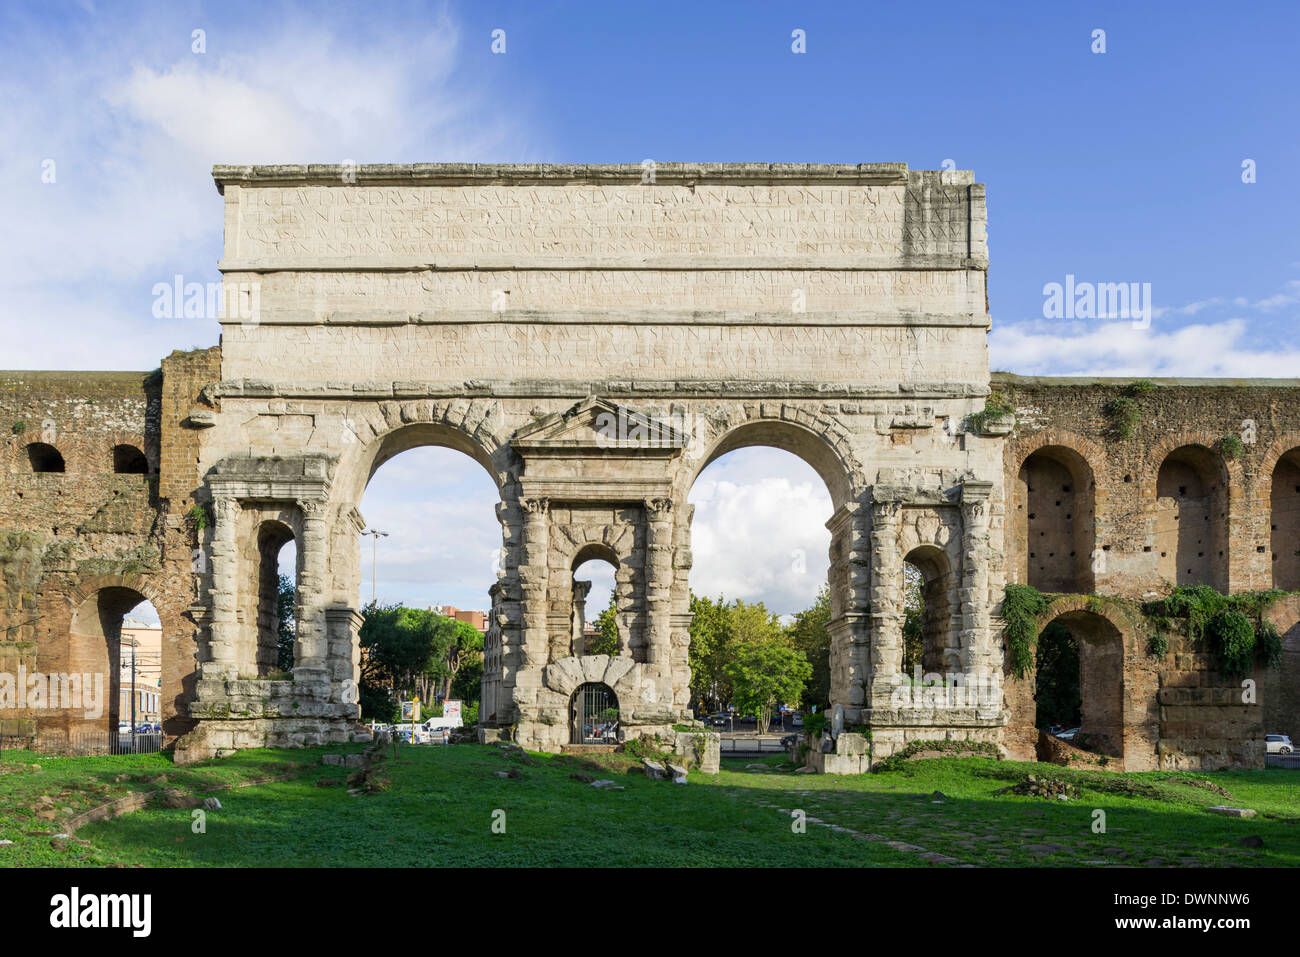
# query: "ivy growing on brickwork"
{"type": "Point", "coordinates": [1021, 606]}
{"type": "Point", "coordinates": [1231, 446]}
{"type": "Point", "coordinates": [1233, 627]}
{"type": "Point", "coordinates": [1124, 411]}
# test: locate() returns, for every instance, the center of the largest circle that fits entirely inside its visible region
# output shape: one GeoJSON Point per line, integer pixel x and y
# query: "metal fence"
{"type": "Point", "coordinates": [80, 744]}
{"type": "Point", "coordinates": [735, 745]}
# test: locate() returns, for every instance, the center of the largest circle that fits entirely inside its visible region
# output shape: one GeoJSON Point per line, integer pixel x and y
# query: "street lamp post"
{"type": "Point", "coordinates": [375, 535]}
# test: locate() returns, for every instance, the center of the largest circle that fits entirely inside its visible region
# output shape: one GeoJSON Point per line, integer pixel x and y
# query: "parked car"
{"type": "Point", "coordinates": [789, 740]}
{"type": "Point", "coordinates": [797, 720]}
{"type": "Point", "coordinates": [1068, 735]}
{"type": "Point", "coordinates": [718, 720]}
{"type": "Point", "coordinates": [1278, 744]}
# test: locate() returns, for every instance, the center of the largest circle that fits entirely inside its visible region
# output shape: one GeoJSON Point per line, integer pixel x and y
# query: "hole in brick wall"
{"type": "Point", "coordinates": [1105, 548]}
{"type": "Point", "coordinates": [1128, 478]}
{"type": "Point", "coordinates": [1260, 549]}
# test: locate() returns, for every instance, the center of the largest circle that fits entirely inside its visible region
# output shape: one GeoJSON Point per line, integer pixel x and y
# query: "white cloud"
{"type": "Point", "coordinates": [1042, 347]}
{"type": "Point", "coordinates": [759, 531]}
{"type": "Point", "coordinates": [133, 138]}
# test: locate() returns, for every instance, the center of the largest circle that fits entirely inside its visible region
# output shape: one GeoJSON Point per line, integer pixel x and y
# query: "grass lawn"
{"type": "Point", "coordinates": [440, 803]}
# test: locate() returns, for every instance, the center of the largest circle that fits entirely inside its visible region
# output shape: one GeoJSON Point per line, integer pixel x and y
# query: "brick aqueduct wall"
{"type": "Point", "coordinates": [1088, 512]}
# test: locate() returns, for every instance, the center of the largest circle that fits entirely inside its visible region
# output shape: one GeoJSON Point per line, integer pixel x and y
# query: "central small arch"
{"type": "Point", "coordinates": [586, 608]}
{"type": "Point", "coordinates": [594, 714]}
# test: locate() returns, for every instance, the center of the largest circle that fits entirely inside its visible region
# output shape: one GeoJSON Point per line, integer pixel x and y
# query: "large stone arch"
{"type": "Point", "coordinates": [815, 438]}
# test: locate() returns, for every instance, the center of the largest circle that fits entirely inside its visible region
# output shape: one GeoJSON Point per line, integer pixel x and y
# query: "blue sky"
{"type": "Point", "coordinates": [1122, 166]}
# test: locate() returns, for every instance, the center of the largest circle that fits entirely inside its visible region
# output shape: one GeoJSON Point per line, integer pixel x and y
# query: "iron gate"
{"type": "Point", "coordinates": [595, 715]}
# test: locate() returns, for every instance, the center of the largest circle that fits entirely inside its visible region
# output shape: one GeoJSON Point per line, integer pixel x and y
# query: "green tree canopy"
{"type": "Point", "coordinates": [808, 634]}
{"type": "Point", "coordinates": [765, 674]}
{"type": "Point", "coordinates": [607, 643]}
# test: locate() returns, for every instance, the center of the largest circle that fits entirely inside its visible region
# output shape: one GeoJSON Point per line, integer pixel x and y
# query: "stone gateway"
{"type": "Point", "coordinates": [594, 341]}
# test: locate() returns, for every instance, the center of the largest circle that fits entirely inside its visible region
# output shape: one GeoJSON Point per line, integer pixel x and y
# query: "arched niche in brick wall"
{"type": "Point", "coordinates": [1053, 519]}
{"type": "Point", "coordinates": [1284, 521]}
{"type": "Point", "coordinates": [1191, 518]}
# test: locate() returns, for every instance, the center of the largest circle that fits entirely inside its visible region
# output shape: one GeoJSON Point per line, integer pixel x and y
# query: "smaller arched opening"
{"type": "Point", "coordinates": [268, 599]}
{"type": "Point", "coordinates": [128, 460]}
{"type": "Point", "coordinates": [1284, 521]}
{"type": "Point", "coordinates": [593, 618]}
{"type": "Point", "coordinates": [45, 458]}
{"type": "Point", "coordinates": [1191, 518]}
{"type": "Point", "coordinates": [594, 715]}
{"type": "Point", "coordinates": [929, 642]}
{"type": "Point", "coordinates": [1054, 521]}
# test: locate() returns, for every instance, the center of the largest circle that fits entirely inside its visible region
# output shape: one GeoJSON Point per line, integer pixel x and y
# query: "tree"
{"type": "Point", "coordinates": [1056, 683]}
{"type": "Point", "coordinates": [607, 642]}
{"type": "Point", "coordinates": [765, 674]}
{"type": "Point", "coordinates": [466, 640]}
{"type": "Point", "coordinates": [709, 631]}
{"type": "Point", "coordinates": [287, 624]}
{"type": "Point", "coordinates": [403, 651]}
{"type": "Point", "coordinates": [808, 634]}
{"type": "Point", "coordinates": [753, 624]}
{"type": "Point", "coordinates": [467, 686]}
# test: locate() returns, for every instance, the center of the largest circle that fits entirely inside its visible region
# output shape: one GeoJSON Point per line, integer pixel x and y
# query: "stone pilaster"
{"type": "Point", "coordinates": [223, 661]}
{"type": "Point", "coordinates": [659, 580]}
{"type": "Point", "coordinates": [885, 655]}
{"type": "Point", "coordinates": [533, 575]}
{"type": "Point", "coordinates": [849, 578]}
{"type": "Point", "coordinates": [973, 592]}
{"type": "Point", "coordinates": [313, 659]}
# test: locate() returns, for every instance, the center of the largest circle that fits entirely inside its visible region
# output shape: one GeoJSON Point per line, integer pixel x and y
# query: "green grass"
{"type": "Point", "coordinates": [438, 810]}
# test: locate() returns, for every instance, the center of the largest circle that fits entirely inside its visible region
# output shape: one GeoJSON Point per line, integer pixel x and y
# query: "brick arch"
{"type": "Point", "coordinates": [1105, 636]}
{"type": "Point", "coordinates": [1280, 446]}
{"type": "Point", "coordinates": [1218, 572]}
{"type": "Point", "coordinates": [1233, 472]}
{"type": "Point", "coordinates": [815, 438]}
{"type": "Point", "coordinates": [1122, 622]}
{"type": "Point", "coordinates": [1093, 455]}
{"type": "Point", "coordinates": [1282, 567]}
{"type": "Point", "coordinates": [89, 587]}
{"type": "Point", "coordinates": [105, 451]}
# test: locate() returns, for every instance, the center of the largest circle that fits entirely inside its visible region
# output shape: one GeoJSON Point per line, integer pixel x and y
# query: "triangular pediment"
{"type": "Point", "coordinates": [597, 424]}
